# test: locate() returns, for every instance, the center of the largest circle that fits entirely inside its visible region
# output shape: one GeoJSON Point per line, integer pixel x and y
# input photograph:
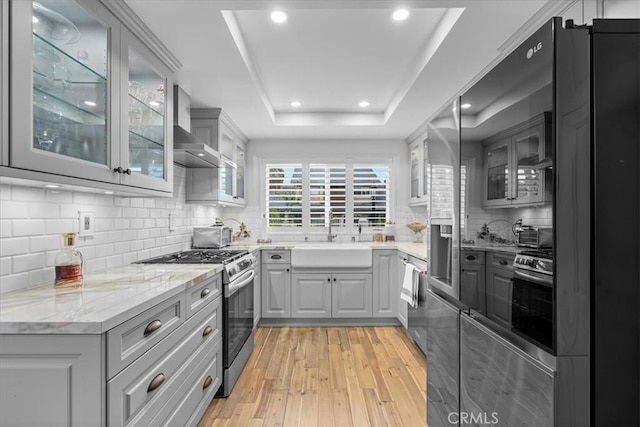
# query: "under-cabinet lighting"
{"type": "Point", "coordinates": [400, 15]}
{"type": "Point", "coordinates": [278, 16]}
{"type": "Point", "coordinates": [34, 20]}
{"type": "Point", "coordinates": [51, 186]}
{"type": "Point", "coordinates": [90, 103]}
{"type": "Point", "coordinates": [109, 192]}
{"type": "Point", "coordinates": [465, 106]}
{"type": "Point", "coordinates": [200, 154]}
{"type": "Point", "coordinates": [363, 104]}
{"type": "Point", "coordinates": [154, 103]}
{"type": "Point", "coordinates": [295, 104]}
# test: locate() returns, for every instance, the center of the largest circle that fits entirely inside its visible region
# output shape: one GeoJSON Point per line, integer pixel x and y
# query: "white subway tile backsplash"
{"type": "Point", "coordinates": [14, 282]}
{"type": "Point", "coordinates": [14, 246]}
{"type": "Point", "coordinates": [5, 228]}
{"type": "Point", "coordinates": [28, 262]}
{"type": "Point", "coordinates": [127, 229]}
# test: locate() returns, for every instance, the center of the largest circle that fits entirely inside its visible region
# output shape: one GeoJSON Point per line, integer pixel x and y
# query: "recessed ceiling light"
{"type": "Point", "coordinates": [295, 104]}
{"type": "Point", "coordinates": [465, 106]}
{"type": "Point", "coordinates": [278, 16]}
{"type": "Point", "coordinates": [400, 15]}
{"type": "Point", "coordinates": [90, 103]}
{"type": "Point", "coordinates": [363, 104]}
{"type": "Point", "coordinates": [51, 186]}
{"type": "Point", "coordinates": [34, 20]}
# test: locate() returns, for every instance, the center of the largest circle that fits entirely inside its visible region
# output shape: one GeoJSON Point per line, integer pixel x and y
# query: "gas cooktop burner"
{"type": "Point", "coordinates": [209, 256]}
{"type": "Point", "coordinates": [538, 253]}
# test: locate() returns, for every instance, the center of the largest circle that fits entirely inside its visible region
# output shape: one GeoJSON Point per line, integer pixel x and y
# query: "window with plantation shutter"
{"type": "Point", "coordinates": [306, 195]}
{"type": "Point", "coordinates": [370, 194]}
{"type": "Point", "coordinates": [284, 195]}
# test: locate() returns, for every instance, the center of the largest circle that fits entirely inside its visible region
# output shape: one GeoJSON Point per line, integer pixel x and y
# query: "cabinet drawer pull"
{"type": "Point", "coordinates": [152, 327]}
{"type": "Point", "coordinates": [276, 256]}
{"type": "Point", "coordinates": [207, 331]}
{"type": "Point", "coordinates": [156, 382]}
{"type": "Point", "coordinates": [205, 292]}
{"type": "Point", "coordinates": [471, 258]}
{"type": "Point", "coordinates": [207, 382]}
{"type": "Point", "coordinates": [503, 262]}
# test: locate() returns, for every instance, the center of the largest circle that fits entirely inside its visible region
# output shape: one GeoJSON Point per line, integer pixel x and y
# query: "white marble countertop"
{"type": "Point", "coordinates": [103, 301]}
{"type": "Point", "coordinates": [418, 250]}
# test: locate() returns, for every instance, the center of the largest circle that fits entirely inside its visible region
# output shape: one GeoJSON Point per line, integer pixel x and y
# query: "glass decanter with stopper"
{"type": "Point", "coordinates": [68, 263]}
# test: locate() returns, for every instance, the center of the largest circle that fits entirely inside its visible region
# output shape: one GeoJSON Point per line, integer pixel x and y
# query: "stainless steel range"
{"type": "Point", "coordinates": [532, 298]}
{"type": "Point", "coordinates": [237, 306]}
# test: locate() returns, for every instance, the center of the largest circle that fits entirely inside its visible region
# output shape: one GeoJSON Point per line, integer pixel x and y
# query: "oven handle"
{"type": "Point", "coordinates": [241, 282]}
{"type": "Point", "coordinates": [535, 279]}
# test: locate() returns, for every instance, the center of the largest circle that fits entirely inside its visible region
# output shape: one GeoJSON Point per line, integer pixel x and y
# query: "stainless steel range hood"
{"type": "Point", "coordinates": [188, 151]}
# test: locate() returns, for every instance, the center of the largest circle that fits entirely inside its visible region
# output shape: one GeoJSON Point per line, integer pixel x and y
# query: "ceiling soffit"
{"type": "Point", "coordinates": [349, 55]}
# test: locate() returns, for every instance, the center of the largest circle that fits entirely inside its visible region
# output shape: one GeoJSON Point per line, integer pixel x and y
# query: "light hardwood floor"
{"type": "Point", "coordinates": [351, 376]}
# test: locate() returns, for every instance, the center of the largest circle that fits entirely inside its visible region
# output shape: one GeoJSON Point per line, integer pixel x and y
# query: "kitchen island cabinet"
{"type": "Point", "coordinates": [129, 347]}
{"type": "Point", "coordinates": [92, 114]}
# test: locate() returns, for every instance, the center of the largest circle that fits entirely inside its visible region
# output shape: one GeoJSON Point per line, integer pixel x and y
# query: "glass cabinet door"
{"type": "Point", "coordinates": [240, 162]}
{"type": "Point", "coordinates": [497, 164]}
{"type": "Point", "coordinates": [415, 172]}
{"type": "Point", "coordinates": [226, 170]}
{"type": "Point", "coordinates": [426, 172]}
{"type": "Point", "coordinates": [528, 155]}
{"type": "Point", "coordinates": [146, 158]}
{"type": "Point", "coordinates": [61, 104]}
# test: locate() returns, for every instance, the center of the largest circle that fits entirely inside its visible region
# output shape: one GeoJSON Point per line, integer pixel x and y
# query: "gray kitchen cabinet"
{"type": "Point", "coordinates": [310, 295]}
{"type": "Point", "coordinates": [499, 286]}
{"type": "Point", "coordinates": [257, 291]}
{"type": "Point", "coordinates": [276, 283]}
{"type": "Point", "coordinates": [403, 307]}
{"type": "Point", "coordinates": [223, 185]}
{"type": "Point", "coordinates": [4, 80]}
{"type": "Point", "coordinates": [386, 287]}
{"type": "Point", "coordinates": [351, 295]}
{"type": "Point", "coordinates": [50, 380]}
{"type": "Point", "coordinates": [93, 111]}
{"type": "Point", "coordinates": [161, 364]}
{"type": "Point", "coordinates": [472, 280]}
{"type": "Point", "coordinates": [516, 161]}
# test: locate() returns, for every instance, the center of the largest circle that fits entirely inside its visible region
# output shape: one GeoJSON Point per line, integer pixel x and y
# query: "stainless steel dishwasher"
{"type": "Point", "coordinates": [417, 316]}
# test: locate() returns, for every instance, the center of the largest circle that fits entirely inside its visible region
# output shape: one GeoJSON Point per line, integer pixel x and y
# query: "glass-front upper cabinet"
{"type": "Point", "coordinates": [146, 160]}
{"type": "Point", "coordinates": [497, 175]}
{"type": "Point", "coordinates": [88, 99]}
{"type": "Point", "coordinates": [62, 87]}
{"type": "Point", "coordinates": [240, 162]}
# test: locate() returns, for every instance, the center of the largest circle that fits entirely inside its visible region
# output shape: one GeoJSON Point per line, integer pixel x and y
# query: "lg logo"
{"type": "Point", "coordinates": [534, 50]}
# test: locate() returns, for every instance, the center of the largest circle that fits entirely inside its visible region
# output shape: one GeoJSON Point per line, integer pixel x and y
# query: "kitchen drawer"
{"type": "Point", "coordinates": [193, 397]}
{"type": "Point", "coordinates": [130, 402]}
{"type": "Point", "coordinates": [203, 294]}
{"type": "Point", "coordinates": [498, 260]}
{"type": "Point", "coordinates": [276, 256]}
{"type": "Point", "coordinates": [129, 340]}
{"type": "Point", "coordinates": [472, 257]}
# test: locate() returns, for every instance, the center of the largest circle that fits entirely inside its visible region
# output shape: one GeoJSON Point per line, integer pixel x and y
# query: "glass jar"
{"type": "Point", "coordinates": [68, 263]}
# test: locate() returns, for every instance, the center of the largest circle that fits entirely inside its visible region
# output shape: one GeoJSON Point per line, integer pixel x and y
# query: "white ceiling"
{"type": "Point", "coordinates": [331, 54]}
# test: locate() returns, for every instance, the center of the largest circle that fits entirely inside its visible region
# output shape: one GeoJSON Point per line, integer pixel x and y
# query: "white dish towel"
{"type": "Point", "coordinates": [410, 285]}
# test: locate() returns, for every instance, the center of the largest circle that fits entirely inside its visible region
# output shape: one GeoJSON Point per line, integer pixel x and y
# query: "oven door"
{"type": "Point", "coordinates": [238, 315]}
{"type": "Point", "coordinates": [532, 308]}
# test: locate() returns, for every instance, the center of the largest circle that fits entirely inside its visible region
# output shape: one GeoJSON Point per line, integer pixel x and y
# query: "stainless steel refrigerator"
{"type": "Point", "coordinates": [554, 131]}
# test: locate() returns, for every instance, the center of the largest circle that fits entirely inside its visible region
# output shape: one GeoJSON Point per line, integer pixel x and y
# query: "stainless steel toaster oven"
{"type": "Point", "coordinates": [536, 237]}
{"type": "Point", "coordinates": [212, 237]}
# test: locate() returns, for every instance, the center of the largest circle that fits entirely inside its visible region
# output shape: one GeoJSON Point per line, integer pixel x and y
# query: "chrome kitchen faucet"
{"type": "Point", "coordinates": [331, 236]}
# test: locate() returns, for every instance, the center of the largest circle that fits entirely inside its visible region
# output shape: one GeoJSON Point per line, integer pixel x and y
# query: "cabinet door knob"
{"type": "Point", "coordinates": [287, 269]}
{"type": "Point", "coordinates": [503, 262]}
{"type": "Point", "coordinates": [127, 171]}
{"type": "Point", "coordinates": [334, 279]}
{"type": "Point", "coordinates": [207, 382]}
{"type": "Point", "coordinates": [328, 279]}
{"type": "Point", "coordinates": [205, 292]}
{"type": "Point", "coordinates": [155, 382]}
{"type": "Point", "coordinates": [207, 331]}
{"type": "Point", "coordinates": [118, 169]}
{"type": "Point", "coordinates": [152, 327]}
